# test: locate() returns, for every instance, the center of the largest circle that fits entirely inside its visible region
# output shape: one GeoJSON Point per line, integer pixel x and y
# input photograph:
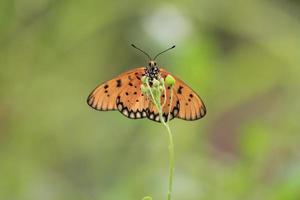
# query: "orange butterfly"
{"type": "Point", "coordinates": [124, 93]}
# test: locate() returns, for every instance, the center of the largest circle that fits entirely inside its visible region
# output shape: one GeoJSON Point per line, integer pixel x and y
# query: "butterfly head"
{"type": "Point", "coordinates": [152, 70]}
{"type": "Point", "coordinates": [152, 64]}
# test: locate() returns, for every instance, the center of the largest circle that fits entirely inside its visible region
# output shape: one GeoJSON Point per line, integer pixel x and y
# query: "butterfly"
{"type": "Point", "coordinates": [123, 93]}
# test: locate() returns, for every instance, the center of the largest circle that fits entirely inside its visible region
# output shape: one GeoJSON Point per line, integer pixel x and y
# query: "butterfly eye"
{"type": "Point", "coordinates": [154, 63]}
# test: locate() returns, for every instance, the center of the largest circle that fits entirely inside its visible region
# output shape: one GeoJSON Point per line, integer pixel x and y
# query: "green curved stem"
{"type": "Point", "coordinates": [156, 101]}
{"type": "Point", "coordinates": [171, 161]}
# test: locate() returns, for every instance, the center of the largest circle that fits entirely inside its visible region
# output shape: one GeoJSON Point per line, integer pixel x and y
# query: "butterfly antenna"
{"type": "Point", "coordinates": [164, 51]}
{"type": "Point", "coordinates": [141, 51]}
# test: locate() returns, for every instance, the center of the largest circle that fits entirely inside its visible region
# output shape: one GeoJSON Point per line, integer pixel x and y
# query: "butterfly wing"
{"type": "Point", "coordinates": [131, 102]}
{"type": "Point", "coordinates": [187, 101]}
{"type": "Point", "coordinates": [105, 96]}
{"type": "Point", "coordinates": [123, 93]}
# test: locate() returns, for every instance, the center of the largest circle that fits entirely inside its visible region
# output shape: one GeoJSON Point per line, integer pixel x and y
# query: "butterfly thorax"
{"type": "Point", "coordinates": [152, 71]}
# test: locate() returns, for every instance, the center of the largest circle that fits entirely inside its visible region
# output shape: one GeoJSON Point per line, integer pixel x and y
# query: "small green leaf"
{"type": "Point", "coordinates": [144, 89]}
{"type": "Point", "coordinates": [147, 198]}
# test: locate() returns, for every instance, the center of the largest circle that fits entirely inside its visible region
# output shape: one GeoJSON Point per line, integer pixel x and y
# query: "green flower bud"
{"type": "Point", "coordinates": [156, 83]}
{"type": "Point", "coordinates": [144, 79]}
{"type": "Point", "coordinates": [161, 88]}
{"type": "Point", "coordinates": [170, 81]}
{"type": "Point", "coordinates": [161, 80]}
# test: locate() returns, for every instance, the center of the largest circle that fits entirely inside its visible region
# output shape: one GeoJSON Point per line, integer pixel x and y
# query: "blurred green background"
{"type": "Point", "coordinates": [242, 57]}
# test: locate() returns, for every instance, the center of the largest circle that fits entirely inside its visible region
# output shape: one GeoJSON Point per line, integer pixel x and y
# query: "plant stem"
{"type": "Point", "coordinates": [171, 157]}
{"type": "Point", "coordinates": [158, 105]}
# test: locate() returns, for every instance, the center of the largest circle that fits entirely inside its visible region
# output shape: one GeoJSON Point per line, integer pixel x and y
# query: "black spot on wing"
{"type": "Point", "coordinates": [179, 91]}
{"type": "Point", "coordinates": [119, 83]}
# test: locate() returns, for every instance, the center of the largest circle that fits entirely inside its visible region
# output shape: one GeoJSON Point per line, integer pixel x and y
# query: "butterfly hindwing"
{"type": "Point", "coordinates": [191, 107]}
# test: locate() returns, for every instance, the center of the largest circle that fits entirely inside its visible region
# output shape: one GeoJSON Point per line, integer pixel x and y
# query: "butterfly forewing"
{"type": "Point", "coordinates": [104, 96]}
{"type": "Point", "coordinates": [131, 102]}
